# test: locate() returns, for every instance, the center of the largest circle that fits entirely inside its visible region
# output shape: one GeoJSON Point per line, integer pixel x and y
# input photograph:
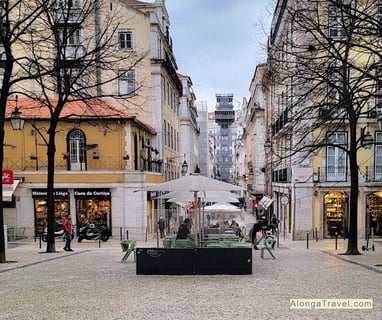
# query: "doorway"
{"type": "Point", "coordinates": [374, 214]}
{"type": "Point", "coordinates": [335, 214]}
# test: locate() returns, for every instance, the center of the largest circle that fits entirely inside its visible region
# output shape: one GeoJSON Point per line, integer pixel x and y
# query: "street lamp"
{"type": "Point", "coordinates": [17, 121]}
{"type": "Point", "coordinates": [184, 168]}
{"type": "Point", "coordinates": [267, 146]}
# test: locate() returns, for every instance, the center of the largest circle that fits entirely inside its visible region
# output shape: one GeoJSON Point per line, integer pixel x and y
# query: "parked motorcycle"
{"type": "Point", "coordinates": [90, 231]}
{"type": "Point", "coordinates": [58, 233]}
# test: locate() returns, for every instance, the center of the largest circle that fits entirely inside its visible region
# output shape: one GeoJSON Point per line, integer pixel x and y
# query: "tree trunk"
{"type": "Point", "coordinates": [51, 246]}
{"type": "Point", "coordinates": [352, 248]}
{"type": "Point", "coordinates": [2, 235]}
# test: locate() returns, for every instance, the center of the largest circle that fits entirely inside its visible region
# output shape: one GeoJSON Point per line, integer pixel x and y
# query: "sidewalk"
{"type": "Point", "coordinates": [92, 283]}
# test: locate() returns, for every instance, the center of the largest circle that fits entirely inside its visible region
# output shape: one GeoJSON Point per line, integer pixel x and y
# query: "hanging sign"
{"type": "Point", "coordinates": [7, 177]}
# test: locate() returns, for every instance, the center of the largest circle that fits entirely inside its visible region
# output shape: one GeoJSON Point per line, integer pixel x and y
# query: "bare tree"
{"type": "Point", "coordinates": [326, 70]}
{"type": "Point", "coordinates": [70, 55]}
{"type": "Point", "coordinates": [14, 22]}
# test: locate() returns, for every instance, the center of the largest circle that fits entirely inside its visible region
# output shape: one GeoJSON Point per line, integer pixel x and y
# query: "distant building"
{"type": "Point", "coordinates": [224, 117]}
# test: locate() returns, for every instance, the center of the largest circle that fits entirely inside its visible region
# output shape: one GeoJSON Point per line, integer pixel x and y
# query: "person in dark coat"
{"type": "Point", "coordinates": [161, 226]}
{"type": "Point", "coordinates": [256, 228]}
{"type": "Point", "coordinates": [184, 230]}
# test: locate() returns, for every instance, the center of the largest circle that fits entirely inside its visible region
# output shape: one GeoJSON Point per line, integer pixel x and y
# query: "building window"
{"type": "Point", "coordinates": [77, 150]}
{"type": "Point", "coordinates": [338, 19]}
{"type": "Point", "coordinates": [126, 82]}
{"type": "Point", "coordinates": [72, 36]}
{"type": "Point", "coordinates": [378, 157]}
{"type": "Point", "coordinates": [336, 156]}
{"type": "Point", "coordinates": [378, 89]}
{"type": "Point", "coordinates": [72, 40]}
{"type": "Point", "coordinates": [379, 19]}
{"type": "Point", "coordinates": [125, 40]}
{"type": "Point", "coordinates": [164, 132]}
{"type": "Point", "coordinates": [1, 77]}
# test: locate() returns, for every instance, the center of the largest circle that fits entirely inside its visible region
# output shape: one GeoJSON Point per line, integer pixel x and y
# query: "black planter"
{"type": "Point", "coordinates": [171, 261]}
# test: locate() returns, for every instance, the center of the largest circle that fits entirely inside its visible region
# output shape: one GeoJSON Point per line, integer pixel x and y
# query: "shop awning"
{"type": "Point", "coordinates": [265, 202]}
{"type": "Point", "coordinates": [8, 190]}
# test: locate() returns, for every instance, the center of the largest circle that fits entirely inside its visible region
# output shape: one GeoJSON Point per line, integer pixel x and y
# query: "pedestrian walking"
{"type": "Point", "coordinates": [68, 230]}
{"type": "Point", "coordinates": [161, 226]}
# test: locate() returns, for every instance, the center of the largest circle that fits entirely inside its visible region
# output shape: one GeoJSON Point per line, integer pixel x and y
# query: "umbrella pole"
{"type": "Point", "coordinates": [203, 221]}
{"type": "Point", "coordinates": [196, 208]}
{"type": "Point", "coordinates": [200, 222]}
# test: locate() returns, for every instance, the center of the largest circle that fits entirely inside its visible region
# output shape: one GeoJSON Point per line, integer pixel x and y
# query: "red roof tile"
{"type": "Point", "coordinates": [91, 109]}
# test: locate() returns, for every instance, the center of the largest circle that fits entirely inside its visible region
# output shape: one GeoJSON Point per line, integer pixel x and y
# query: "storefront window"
{"type": "Point", "coordinates": [93, 206]}
{"type": "Point", "coordinates": [374, 213]}
{"type": "Point", "coordinates": [335, 214]}
{"type": "Point", "coordinates": [61, 208]}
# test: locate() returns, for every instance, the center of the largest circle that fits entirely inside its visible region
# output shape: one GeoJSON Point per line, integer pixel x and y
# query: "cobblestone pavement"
{"type": "Point", "coordinates": [92, 283]}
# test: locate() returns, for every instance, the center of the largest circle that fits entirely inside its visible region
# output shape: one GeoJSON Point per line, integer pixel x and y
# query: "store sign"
{"type": "Point", "coordinates": [43, 193]}
{"type": "Point", "coordinates": [7, 177]}
{"type": "Point", "coordinates": [92, 193]}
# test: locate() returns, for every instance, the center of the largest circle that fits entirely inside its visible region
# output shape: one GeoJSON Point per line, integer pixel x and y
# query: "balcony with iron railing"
{"type": "Point", "coordinates": [331, 174]}
{"type": "Point", "coordinates": [282, 122]}
{"type": "Point", "coordinates": [72, 16]}
{"type": "Point", "coordinates": [73, 52]}
{"type": "Point", "coordinates": [96, 166]}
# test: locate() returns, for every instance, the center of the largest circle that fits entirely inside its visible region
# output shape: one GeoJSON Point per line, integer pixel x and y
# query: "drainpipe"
{"type": "Point", "coordinates": [97, 39]}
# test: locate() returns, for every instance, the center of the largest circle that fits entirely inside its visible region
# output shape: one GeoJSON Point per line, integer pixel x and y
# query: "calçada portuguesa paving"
{"type": "Point", "coordinates": [93, 283]}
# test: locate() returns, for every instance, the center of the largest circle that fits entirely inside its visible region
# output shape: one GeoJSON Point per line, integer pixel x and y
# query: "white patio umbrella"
{"type": "Point", "coordinates": [222, 210]}
{"type": "Point", "coordinates": [224, 207]}
{"type": "Point", "coordinates": [194, 183]}
{"type": "Point", "coordinates": [205, 196]}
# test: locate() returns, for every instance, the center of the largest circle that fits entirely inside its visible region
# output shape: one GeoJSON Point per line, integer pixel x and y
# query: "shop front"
{"type": "Point", "coordinates": [335, 214]}
{"type": "Point", "coordinates": [93, 206]}
{"type": "Point", "coordinates": [374, 214]}
{"type": "Point", "coordinates": [61, 208]}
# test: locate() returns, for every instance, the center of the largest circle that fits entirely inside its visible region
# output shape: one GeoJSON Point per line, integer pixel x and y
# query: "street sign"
{"type": "Point", "coordinates": [284, 200]}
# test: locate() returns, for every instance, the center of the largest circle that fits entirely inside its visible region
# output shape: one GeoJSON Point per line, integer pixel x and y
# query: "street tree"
{"type": "Point", "coordinates": [325, 70]}
{"type": "Point", "coordinates": [15, 21]}
{"type": "Point", "coordinates": [71, 54]}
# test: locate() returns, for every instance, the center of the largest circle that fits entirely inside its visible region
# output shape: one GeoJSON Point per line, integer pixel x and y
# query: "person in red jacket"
{"type": "Point", "coordinates": [67, 225]}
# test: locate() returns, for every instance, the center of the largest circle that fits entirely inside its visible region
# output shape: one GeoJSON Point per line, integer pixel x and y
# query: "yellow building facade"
{"type": "Point", "coordinates": [102, 160]}
{"type": "Point", "coordinates": [96, 171]}
{"type": "Point", "coordinates": [316, 188]}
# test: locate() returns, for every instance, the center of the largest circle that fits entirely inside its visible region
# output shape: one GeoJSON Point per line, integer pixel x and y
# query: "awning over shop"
{"type": "Point", "coordinates": [9, 189]}
{"type": "Point", "coordinates": [265, 202]}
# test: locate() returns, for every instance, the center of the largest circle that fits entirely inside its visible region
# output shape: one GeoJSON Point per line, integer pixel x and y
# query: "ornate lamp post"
{"type": "Point", "coordinates": [17, 121]}
{"type": "Point", "coordinates": [184, 168]}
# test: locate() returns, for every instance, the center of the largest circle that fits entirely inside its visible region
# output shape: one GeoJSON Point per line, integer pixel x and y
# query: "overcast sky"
{"type": "Point", "coordinates": [218, 43]}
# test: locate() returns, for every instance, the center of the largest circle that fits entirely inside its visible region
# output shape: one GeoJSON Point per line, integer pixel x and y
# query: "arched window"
{"type": "Point", "coordinates": [77, 150]}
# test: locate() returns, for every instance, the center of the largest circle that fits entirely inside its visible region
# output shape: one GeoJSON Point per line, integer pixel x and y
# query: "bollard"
{"type": "Point", "coordinates": [120, 233]}
{"type": "Point", "coordinates": [39, 240]}
{"type": "Point", "coordinates": [278, 239]}
{"type": "Point", "coordinates": [315, 230]}
{"type": "Point", "coordinates": [99, 240]}
{"type": "Point", "coordinates": [307, 240]}
{"type": "Point", "coordinates": [127, 234]}
{"type": "Point", "coordinates": [336, 237]}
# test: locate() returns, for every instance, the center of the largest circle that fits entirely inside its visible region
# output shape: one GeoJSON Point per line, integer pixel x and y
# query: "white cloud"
{"type": "Point", "coordinates": [216, 43]}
